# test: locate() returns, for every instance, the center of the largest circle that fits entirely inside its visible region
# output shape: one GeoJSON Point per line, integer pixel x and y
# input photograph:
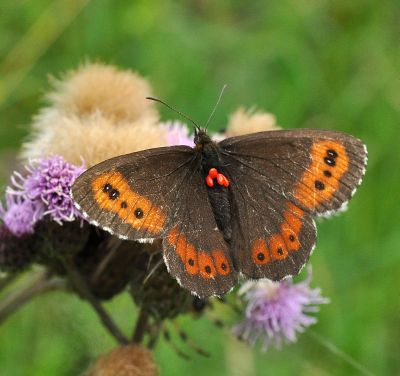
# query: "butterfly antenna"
{"type": "Point", "coordinates": [174, 109]}
{"type": "Point", "coordinates": [216, 105]}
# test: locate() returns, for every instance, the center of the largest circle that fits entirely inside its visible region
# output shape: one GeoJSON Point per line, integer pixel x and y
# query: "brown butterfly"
{"type": "Point", "coordinates": [244, 205]}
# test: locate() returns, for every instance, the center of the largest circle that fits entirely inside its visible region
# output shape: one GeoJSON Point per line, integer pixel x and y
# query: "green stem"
{"type": "Point", "coordinates": [17, 299]}
{"type": "Point", "coordinates": [141, 326]}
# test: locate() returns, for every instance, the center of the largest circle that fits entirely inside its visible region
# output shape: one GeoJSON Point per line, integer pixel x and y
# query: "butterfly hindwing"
{"type": "Point", "coordinates": [194, 249]}
{"type": "Point", "coordinates": [272, 237]}
{"type": "Point", "coordinates": [278, 181]}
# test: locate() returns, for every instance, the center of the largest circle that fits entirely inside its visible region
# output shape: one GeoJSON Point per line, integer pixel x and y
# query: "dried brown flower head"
{"type": "Point", "coordinates": [130, 360]}
{"type": "Point", "coordinates": [96, 113]}
{"type": "Point", "coordinates": [248, 121]}
{"type": "Point", "coordinates": [119, 95]}
{"type": "Point", "coordinates": [94, 138]}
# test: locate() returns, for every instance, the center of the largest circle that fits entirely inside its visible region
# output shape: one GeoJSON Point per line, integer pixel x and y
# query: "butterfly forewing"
{"type": "Point", "coordinates": [319, 170]}
{"type": "Point", "coordinates": [132, 196]}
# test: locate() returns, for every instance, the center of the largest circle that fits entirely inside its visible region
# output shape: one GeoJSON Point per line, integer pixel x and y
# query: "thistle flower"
{"type": "Point", "coordinates": [44, 190]}
{"type": "Point", "coordinates": [129, 360]}
{"type": "Point", "coordinates": [93, 138]}
{"type": "Point", "coordinates": [249, 121]}
{"type": "Point", "coordinates": [95, 87]}
{"type": "Point", "coordinates": [20, 215]}
{"type": "Point", "coordinates": [277, 311]}
{"type": "Point", "coordinates": [50, 181]}
{"type": "Point", "coordinates": [96, 112]}
{"type": "Point", "coordinates": [177, 133]}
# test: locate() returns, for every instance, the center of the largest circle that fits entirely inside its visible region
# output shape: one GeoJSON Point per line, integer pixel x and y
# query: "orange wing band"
{"type": "Point", "coordinates": [282, 243]}
{"type": "Point", "coordinates": [318, 184]}
{"type": "Point", "coordinates": [112, 193]}
{"type": "Point", "coordinates": [207, 265]}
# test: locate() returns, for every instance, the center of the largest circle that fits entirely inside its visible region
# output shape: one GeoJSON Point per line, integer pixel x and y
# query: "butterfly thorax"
{"type": "Point", "coordinates": [218, 194]}
{"type": "Point", "coordinates": [201, 138]}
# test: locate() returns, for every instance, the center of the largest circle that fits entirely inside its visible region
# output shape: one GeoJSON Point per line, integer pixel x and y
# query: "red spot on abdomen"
{"type": "Point", "coordinates": [214, 174]}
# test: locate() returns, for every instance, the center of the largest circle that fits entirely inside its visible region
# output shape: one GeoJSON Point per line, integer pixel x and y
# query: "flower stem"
{"type": "Point", "coordinates": [141, 326]}
{"type": "Point", "coordinates": [17, 299]}
{"type": "Point", "coordinates": [81, 285]}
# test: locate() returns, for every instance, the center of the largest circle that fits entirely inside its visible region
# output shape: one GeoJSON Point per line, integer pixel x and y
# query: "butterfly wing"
{"type": "Point", "coordinates": [131, 195]}
{"type": "Point", "coordinates": [195, 251]}
{"type": "Point", "coordinates": [159, 193]}
{"type": "Point", "coordinates": [279, 180]}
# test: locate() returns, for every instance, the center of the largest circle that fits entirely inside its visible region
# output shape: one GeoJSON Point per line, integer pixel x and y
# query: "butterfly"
{"type": "Point", "coordinates": [241, 206]}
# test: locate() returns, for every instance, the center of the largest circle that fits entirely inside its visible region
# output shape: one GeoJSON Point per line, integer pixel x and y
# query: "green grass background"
{"type": "Point", "coordinates": [324, 64]}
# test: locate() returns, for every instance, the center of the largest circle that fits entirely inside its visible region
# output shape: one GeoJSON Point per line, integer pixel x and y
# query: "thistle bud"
{"type": "Point", "coordinates": [16, 252]}
{"type": "Point", "coordinates": [130, 360]}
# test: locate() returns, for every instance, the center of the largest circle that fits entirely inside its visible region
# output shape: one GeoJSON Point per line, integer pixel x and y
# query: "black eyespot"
{"type": "Point", "coordinates": [280, 251]}
{"type": "Point", "coordinates": [191, 262]}
{"type": "Point", "coordinates": [261, 256]}
{"type": "Point", "coordinates": [223, 266]}
{"type": "Point", "coordinates": [138, 213]}
{"type": "Point", "coordinates": [207, 269]}
{"type": "Point", "coordinates": [319, 185]}
{"type": "Point", "coordinates": [332, 153]}
{"type": "Point", "coordinates": [113, 194]}
{"type": "Point", "coordinates": [107, 187]}
{"type": "Point", "coordinates": [327, 173]}
{"type": "Point", "coordinates": [291, 238]}
{"type": "Point", "coordinates": [330, 161]}
{"type": "Point", "coordinates": [124, 205]}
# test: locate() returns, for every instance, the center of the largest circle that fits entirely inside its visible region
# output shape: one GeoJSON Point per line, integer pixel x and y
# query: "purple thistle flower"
{"type": "Point", "coordinates": [277, 311]}
{"type": "Point", "coordinates": [20, 215]}
{"type": "Point", "coordinates": [177, 133]}
{"type": "Point", "coordinates": [50, 181]}
{"type": "Point", "coordinates": [46, 189]}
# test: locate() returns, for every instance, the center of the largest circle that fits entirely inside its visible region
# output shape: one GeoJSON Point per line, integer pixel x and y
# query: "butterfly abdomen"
{"type": "Point", "coordinates": [217, 188]}
{"type": "Point", "coordinates": [220, 203]}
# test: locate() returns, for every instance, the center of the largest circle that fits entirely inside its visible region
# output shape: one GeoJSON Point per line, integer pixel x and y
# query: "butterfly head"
{"type": "Point", "coordinates": [201, 138]}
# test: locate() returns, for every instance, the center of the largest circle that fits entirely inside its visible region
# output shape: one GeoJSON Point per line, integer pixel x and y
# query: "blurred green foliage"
{"type": "Point", "coordinates": [324, 64]}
